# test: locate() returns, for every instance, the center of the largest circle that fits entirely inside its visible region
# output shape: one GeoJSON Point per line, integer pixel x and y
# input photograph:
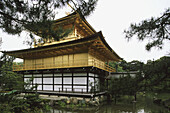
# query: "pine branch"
{"type": "Point", "coordinates": [15, 19]}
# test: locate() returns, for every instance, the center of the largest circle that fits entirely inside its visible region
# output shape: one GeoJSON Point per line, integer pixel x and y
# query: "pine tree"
{"type": "Point", "coordinates": [157, 30]}
{"type": "Point", "coordinates": [16, 15]}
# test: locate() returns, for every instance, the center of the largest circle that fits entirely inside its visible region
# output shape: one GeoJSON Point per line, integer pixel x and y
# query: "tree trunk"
{"type": "Point", "coordinates": [135, 97]}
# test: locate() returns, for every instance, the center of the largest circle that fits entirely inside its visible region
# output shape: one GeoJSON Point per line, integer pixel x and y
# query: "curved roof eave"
{"type": "Point", "coordinates": [88, 38]}
{"type": "Point", "coordinates": [106, 44]}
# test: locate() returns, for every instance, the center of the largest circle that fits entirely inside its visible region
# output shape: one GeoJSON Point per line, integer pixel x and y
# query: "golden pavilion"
{"type": "Point", "coordinates": [76, 65]}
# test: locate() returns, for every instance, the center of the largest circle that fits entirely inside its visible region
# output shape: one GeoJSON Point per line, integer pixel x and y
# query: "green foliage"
{"type": "Point", "coordinates": [131, 66]}
{"type": "Point", "coordinates": [157, 74]}
{"type": "Point", "coordinates": [117, 66]}
{"type": "Point", "coordinates": [10, 102]}
{"type": "Point", "coordinates": [153, 76]}
{"type": "Point", "coordinates": [9, 80]}
{"type": "Point", "coordinates": [62, 104]}
{"type": "Point", "coordinates": [47, 31]}
{"type": "Point", "coordinates": [35, 103]}
{"type": "Point", "coordinates": [155, 29]}
{"type": "Point", "coordinates": [18, 15]}
{"type": "Point", "coordinates": [124, 86]}
{"type": "Point", "coordinates": [6, 62]}
{"type": "Point", "coordinates": [29, 104]}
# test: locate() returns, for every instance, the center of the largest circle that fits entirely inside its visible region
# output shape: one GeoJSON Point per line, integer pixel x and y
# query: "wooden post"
{"type": "Point", "coordinates": [94, 85]}
{"type": "Point", "coordinates": [87, 87]}
{"type": "Point", "coordinates": [42, 82]}
{"type": "Point", "coordinates": [33, 79]}
{"type": "Point", "coordinates": [53, 80]}
{"type": "Point", "coordinates": [62, 80]}
{"type": "Point", "coordinates": [72, 81]}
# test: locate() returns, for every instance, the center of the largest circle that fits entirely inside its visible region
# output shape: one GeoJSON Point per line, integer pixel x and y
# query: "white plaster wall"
{"type": "Point", "coordinates": [39, 87]}
{"type": "Point", "coordinates": [67, 88]}
{"type": "Point", "coordinates": [80, 80]}
{"type": "Point", "coordinates": [67, 80]}
{"type": "Point", "coordinates": [37, 80]}
{"type": "Point", "coordinates": [58, 80]}
{"type": "Point", "coordinates": [26, 79]}
{"type": "Point", "coordinates": [91, 74]}
{"type": "Point", "coordinates": [80, 88]}
{"type": "Point", "coordinates": [47, 87]}
{"type": "Point", "coordinates": [48, 80]}
{"type": "Point", "coordinates": [56, 87]}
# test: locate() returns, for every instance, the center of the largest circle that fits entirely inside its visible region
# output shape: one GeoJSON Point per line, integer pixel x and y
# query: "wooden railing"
{"type": "Point", "coordinates": [66, 64]}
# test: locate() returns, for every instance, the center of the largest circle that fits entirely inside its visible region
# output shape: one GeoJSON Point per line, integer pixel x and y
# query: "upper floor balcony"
{"type": "Point", "coordinates": [65, 64]}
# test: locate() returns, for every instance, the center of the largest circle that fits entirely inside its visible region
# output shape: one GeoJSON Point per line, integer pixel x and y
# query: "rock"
{"type": "Point", "coordinates": [87, 100]}
{"type": "Point", "coordinates": [74, 101]}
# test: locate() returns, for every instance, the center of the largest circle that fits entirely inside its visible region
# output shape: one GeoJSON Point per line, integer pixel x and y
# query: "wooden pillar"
{"type": "Point", "coordinates": [72, 81]}
{"type": "Point", "coordinates": [100, 80]}
{"type": "Point", "coordinates": [62, 79]}
{"type": "Point", "coordinates": [33, 79]}
{"type": "Point", "coordinates": [94, 85]}
{"type": "Point", "coordinates": [42, 82]}
{"type": "Point", "coordinates": [87, 82]}
{"type": "Point", "coordinates": [53, 80]}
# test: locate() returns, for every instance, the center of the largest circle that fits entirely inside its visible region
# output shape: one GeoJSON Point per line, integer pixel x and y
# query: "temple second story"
{"type": "Point", "coordinates": [82, 47]}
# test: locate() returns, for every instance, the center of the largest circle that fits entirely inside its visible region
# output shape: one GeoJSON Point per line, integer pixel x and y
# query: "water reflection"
{"type": "Point", "coordinates": [144, 105]}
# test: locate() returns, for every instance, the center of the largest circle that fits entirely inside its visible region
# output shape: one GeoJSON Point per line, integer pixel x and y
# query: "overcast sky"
{"type": "Point", "coordinates": [112, 17]}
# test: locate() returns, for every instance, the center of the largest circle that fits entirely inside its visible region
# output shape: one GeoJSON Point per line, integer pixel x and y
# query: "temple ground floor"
{"type": "Point", "coordinates": [88, 82]}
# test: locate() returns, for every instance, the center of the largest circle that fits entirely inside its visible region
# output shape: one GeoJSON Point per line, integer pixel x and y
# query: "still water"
{"type": "Point", "coordinates": [143, 105]}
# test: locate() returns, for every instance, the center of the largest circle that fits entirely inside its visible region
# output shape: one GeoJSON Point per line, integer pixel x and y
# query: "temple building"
{"type": "Point", "coordinates": [76, 65]}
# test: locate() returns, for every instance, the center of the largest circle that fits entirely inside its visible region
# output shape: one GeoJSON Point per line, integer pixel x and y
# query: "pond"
{"type": "Point", "coordinates": [143, 105]}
